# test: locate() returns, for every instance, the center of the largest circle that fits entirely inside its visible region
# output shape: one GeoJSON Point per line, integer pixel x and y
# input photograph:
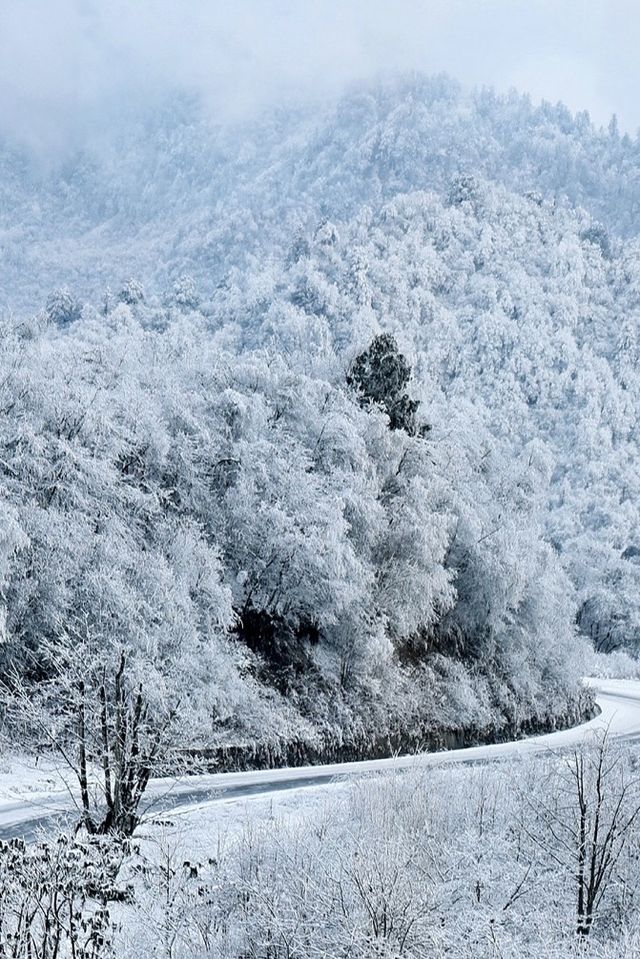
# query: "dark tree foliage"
{"type": "Point", "coordinates": [380, 375]}
{"type": "Point", "coordinates": [463, 189]}
{"type": "Point", "coordinates": [299, 249]}
{"type": "Point", "coordinates": [598, 236]}
{"type": "Point", "coordinates": [62, 307]}
{"type": "Point", "coordinates": [131, 293]}
{"type": "Point", "coordinates": [282, 648]}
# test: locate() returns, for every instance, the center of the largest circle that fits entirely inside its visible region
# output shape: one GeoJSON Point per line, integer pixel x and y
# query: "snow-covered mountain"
{"type": "Point", "coordinates": [362, 426]}
{"type": "Point", "coordinates": [170, 191]}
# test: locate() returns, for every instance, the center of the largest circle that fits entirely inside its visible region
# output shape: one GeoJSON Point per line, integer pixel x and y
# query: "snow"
{"type": "Point", "coordinates": [29, 793]}
{"type": "Point", "coordinates": [618, 700]}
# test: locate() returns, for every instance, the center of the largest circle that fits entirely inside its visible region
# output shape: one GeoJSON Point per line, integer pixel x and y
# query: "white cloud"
{"type": "Point", "coordinates": [69, 66]}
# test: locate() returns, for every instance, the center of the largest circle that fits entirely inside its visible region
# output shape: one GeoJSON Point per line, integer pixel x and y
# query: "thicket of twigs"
{"type": "Point", "coordinates": [541, 859]}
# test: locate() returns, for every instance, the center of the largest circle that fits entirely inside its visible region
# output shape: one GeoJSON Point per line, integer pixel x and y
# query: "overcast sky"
{"type": "Point", "coordinates": [66, 65]}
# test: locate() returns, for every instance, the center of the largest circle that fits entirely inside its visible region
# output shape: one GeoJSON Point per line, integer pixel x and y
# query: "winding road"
{"type": "Point", "coordinates": [619, 702]}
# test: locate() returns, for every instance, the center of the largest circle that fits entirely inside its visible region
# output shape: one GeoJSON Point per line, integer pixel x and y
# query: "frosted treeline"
{"type": "Point", "coordinates": [495, 239]}
{"type": "Point", "coordinates": [526, 311]}
{"type": "Point", "coordinates": [247, 525]}
{"type": "Point", "coordinates": [318, 441]}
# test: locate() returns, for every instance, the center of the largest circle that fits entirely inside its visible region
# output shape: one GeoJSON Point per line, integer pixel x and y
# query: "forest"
{"type": "Point", "coordinates": [364, 422]}
{"type": "Point", "coordinates": [318, 444]}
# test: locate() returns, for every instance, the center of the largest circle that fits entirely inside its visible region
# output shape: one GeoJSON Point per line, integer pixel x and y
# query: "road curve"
{"type": "Point", "coordinates": [619, 702]}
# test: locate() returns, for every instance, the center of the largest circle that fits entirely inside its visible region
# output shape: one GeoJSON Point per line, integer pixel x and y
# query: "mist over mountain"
{"type": "Point", "coordinates": [173, 192]}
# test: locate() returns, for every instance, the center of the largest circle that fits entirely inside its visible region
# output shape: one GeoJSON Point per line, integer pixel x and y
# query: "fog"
{"type": "Point", "coordinates": [70, 67]}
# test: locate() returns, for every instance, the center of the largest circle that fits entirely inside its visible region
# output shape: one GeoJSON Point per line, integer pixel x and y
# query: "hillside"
{"type": "Point", "coordinates": [170, 191]}
{"type": "Point", "coordinates": [353, 458]}
{"type": "Point", "coordinates": [526, 310]}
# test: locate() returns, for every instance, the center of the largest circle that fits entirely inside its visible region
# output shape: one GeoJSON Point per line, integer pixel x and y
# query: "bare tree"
{"type": "Point", "coordinates": [583, 822]}
{"type": "Point", "coordinates": [95, 714]}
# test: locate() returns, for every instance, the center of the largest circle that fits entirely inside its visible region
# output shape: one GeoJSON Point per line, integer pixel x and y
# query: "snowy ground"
{"type": "Point", "coordinates": [30, 793]}
{"type": "Point", "coordinates": [195, 826]}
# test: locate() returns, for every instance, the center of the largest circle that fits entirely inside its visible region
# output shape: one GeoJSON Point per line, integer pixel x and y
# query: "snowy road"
{"type": "Point", "coordinates": [26, 814]}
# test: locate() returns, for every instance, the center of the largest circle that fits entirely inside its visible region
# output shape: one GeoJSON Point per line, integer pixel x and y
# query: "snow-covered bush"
{"type": "Point", "coordinates": [473, 863]}
{"type": "Point", "coordinates": [56, 898]}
